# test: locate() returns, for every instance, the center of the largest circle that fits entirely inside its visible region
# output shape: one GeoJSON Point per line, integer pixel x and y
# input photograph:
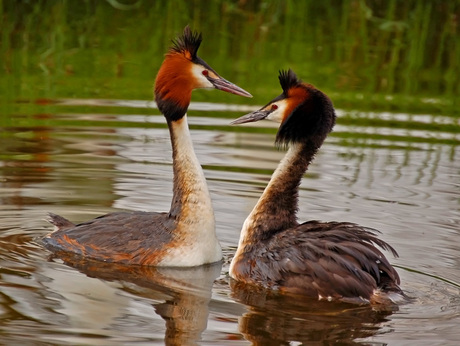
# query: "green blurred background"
{"type": "Point", "coordinates": [400, 56]}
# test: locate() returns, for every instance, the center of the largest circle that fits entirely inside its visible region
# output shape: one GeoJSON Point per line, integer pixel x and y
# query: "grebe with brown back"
{"type": "Point", "coordinates": [185, 236]}
{"type": "Point", "coordinates": [325, 260]}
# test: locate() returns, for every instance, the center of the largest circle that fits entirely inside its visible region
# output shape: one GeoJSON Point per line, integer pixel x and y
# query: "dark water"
{"type": "Point", "coordinates": [408, 191]}
{"type": "Point", "coordinates": [79, 137]}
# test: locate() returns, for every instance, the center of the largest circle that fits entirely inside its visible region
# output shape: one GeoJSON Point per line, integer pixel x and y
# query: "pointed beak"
{"type": "Point", "coordinates": [251, 117]}
{"type": "Point", "coordinates": [225, 85]}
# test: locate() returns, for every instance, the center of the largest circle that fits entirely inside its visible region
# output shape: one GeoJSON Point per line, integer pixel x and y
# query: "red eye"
{"type": "Point", "coordinates": [205, 72]}
{"type": "Point", "coordinates": [274, 107]}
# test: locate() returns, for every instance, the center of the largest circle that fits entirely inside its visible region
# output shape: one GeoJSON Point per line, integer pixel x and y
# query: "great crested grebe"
{"type": "Point", "coordinates": [328, 260]}
{"type": "Point", "coordinates": [185, 236]}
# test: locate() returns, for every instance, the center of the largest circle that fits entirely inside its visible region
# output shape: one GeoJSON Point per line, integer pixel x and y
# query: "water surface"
{"type": "Point", "coordinates": [407, 189]}
{"type": "Point", "coordinates": [81, 137]}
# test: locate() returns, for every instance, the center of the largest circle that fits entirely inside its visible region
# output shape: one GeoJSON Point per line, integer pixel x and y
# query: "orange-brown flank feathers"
{"type": "Point", "coordinates": [123, 237]}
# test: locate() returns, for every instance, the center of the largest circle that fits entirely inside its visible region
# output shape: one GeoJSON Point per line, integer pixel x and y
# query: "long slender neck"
{"type": "Point", "coordinates": [277, 207]}
{"type": "Point", "coordinates": [191, 199]}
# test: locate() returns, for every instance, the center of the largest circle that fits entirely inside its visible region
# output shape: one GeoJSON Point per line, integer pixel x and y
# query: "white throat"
{"type": "Point", "coordinates": [196, 224]}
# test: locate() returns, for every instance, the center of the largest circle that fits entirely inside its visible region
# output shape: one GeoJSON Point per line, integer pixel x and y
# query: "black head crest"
{"type": "Point", "coordinates": [189, 42]}
{"type": "Point", "coordinates": [288, 79]}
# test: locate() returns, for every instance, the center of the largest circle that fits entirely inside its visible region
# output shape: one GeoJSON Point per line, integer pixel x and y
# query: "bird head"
{"type": "Point", "coordinates": [182, 71]}
{"type": "Point", "coordinates": [304, 112]}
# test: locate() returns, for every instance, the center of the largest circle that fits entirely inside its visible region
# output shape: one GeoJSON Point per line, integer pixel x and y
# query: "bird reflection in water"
{"type": "Point", "coordinates": [279, 319]}
{"type": "Point", "coordinates": [186, 291]}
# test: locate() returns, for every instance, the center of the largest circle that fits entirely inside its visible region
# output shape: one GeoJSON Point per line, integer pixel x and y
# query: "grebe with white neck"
{"type": "Point", "coordinates": [185, 236]}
